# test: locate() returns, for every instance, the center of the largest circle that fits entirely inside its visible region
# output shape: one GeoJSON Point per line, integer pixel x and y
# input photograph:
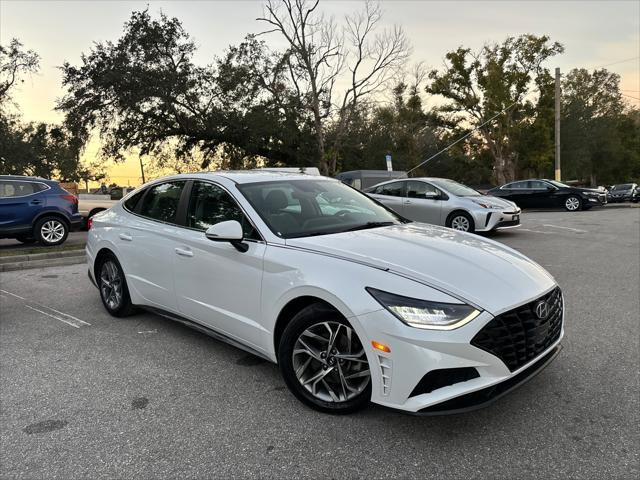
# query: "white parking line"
{"type": "Point", "coordinates": [61, 316]}
{"type": "Point", "coordinates": [53, 316]}
{"type": "Point", "coordinates": [565, 228]}
{"type": "Point", "coordinates": [12, 294]}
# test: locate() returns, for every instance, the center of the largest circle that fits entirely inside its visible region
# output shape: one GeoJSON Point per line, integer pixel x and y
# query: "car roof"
{"type": "Point", "coordinates": [249, 176]}
{"type": "Point", "coordinates": [25, 178]}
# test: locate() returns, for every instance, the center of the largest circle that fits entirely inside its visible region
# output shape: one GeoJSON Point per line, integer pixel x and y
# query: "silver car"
{"type": "Point", "coordinates": [441, 201]}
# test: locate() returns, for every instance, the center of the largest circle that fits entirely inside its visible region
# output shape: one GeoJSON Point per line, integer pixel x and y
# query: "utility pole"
{"type": "Point", "coordinates": [558, 172]}
{"type": "Point", "coordinates": [141, 168]}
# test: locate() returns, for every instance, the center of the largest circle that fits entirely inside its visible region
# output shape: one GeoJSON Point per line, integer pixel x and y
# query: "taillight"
{"type": "Point", "coordinates": [89, 223]}
{"type": "Point", "coordinates": [70, 198]}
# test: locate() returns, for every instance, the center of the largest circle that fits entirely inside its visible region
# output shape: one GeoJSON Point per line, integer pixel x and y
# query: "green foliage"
{"type": "Point", "coordinates": [500, 77]}
{"type": "Point", "coordinates": [599, 134]}
{"type": "Point", "coordinates": [145, 92]}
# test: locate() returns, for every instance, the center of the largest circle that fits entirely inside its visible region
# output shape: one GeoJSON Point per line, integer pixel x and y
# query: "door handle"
{"type": "Point", "coordinates": [407, 202]}
{"type": "Point", "coordinates": [126, 237]}
{"type": "Point", "coordinates": [36, 202]}
{"type": "Point", "coordinates": [183, 252]}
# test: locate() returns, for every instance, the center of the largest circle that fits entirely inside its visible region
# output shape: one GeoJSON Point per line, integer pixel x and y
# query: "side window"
{"type": "Point", "coordinates": [210, 204]}
{"type": "Point", "coordinates": [390, 189]}
{"type": "Point", "coordinates": [517, 186]}
{"type": "Point", "coordinates": [538, 185]}
{"type": "Point", "coordinates": [420, 189]}
{"type": "Point", "coordinates": [132, 202]}
{"type": "Point", "coordinates": [161, 201]}
{"type": "Point", "coordinates": [17, 189]}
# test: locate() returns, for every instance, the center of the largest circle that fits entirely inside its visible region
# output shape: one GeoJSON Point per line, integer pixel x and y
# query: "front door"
{"type": "Point", "coordinates": [217, 285]}
{"type": "Point", "coordinates": [423, 203]}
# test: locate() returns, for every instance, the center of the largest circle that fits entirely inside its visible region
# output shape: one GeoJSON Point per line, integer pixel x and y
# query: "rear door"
{"type": "Point", "coordinates": [392, 195]}
{"type": "Point", "coordinates": [20, 202]}
{"type": "Point", "coordinates": [146, 243]}
{"type": "Point", "coordinates": [516, 192]}
{"type": "Point", "coordinates": [217, 285]}
{"type": "Point", "coordinates": [422, 203]}
{"type": "Point", "coordinates": [540, 194]}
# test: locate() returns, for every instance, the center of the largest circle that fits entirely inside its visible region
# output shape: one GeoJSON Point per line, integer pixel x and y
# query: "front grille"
{"type": "Point", "coordinates": [518, 336]}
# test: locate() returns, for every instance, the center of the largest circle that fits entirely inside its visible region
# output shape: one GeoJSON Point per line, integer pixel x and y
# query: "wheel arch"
{"type": "Point", "coordinates": [456, 211]}
{"type": "Point", "coordinates": [291, 308]}
{"type": "Point", "coordinates": [51, 213]}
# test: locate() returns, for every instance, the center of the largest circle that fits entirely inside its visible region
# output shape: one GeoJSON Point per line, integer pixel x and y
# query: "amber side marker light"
{"type": "Point", "coordinates": [380, 346]}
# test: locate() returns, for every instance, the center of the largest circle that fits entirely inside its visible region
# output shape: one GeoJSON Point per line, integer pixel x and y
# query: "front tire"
{"type": "Point", "coordinates": [462, 222]}
{"type": "Point", "coordinates": [573, 203]}
{"type": "Point", "coordinates": [51, 231]}
{"type": "Point", "coordinates": [323, 362]}
{"type": "Point", "coordinates": [112, 284]}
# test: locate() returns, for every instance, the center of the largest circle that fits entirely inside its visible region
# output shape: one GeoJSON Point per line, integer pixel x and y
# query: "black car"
{"type": "Point", "coordinates": [624, 192]}
{"type": "Point", "coordinates": [549, 194]}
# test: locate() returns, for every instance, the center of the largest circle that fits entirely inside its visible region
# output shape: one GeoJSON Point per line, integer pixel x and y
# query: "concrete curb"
{"type": "Point", "coordinates": [41, 260]}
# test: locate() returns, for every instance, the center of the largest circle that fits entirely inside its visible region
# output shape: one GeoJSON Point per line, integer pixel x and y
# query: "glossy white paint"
{"type": "Point", "coordinates": [241, 294]}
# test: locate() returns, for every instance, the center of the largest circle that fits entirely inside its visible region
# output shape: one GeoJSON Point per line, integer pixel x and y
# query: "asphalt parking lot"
{"type": "Point", "coordinates": [85, 395]}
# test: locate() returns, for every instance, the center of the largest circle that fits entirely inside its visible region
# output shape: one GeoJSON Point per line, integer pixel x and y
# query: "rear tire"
{"type": "Point", "coordinates": [329, 377]}
{"type": "Point", "coordinates": [51, 231]}
{"type": "Point", "coordinates": [112, 283]}
{"type": "Point", "coordinates": [462, 222]}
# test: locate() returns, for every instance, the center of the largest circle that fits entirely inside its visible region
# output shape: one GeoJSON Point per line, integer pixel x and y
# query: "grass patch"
{"type": "Point", "coordinates": [29, 250]}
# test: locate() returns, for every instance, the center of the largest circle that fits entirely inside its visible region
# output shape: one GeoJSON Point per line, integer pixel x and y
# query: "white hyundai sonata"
{"type": "Point", "coordinates": [353, 302]}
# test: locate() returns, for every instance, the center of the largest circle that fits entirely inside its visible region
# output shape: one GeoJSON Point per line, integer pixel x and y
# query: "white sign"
{"type": "Point", "coordinates": [389, 166]}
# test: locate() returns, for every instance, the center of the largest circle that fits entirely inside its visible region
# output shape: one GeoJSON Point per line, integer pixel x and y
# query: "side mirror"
{"type": "Point", "coordinates": [229, 231]}
{"type": "Point", "coordinates": [550, 188]}
{"type": "Point", "coordinates": [431, 195]}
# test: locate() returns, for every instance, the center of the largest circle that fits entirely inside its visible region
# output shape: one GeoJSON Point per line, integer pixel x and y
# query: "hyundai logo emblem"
{"type": "Point", "coordinates": [541, 309]}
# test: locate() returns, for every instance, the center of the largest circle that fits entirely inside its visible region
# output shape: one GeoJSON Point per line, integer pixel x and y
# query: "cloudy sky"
{"type": "Point", "coordinates": [594, 33]}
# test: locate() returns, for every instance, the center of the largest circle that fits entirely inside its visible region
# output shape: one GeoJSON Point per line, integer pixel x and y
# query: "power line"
{"type": "Point", "coordinates": [461, 138]}
{"type": "Point", "coordinates": [630, 96]}
{"type": "Point", "coordinates": [616, 63]}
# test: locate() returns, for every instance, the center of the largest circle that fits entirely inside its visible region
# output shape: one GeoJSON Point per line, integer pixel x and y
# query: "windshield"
{"type": "Point", "coordinates": [621, 187]}
{"type": "Point", "coordinates": [455, 188]}
{"type": "Point", "coordinates": [558, 184]}
{"type": "Point", "coordinates": [303, 208]}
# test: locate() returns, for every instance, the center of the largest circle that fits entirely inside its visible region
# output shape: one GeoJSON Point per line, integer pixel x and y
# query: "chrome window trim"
{"type": "Point", "coordinates": [172, 224]}
{"type": "Point", "coordinates": [26, 181]}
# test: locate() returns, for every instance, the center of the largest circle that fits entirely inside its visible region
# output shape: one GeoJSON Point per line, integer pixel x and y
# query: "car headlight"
{"type": "Point", "coordinates": [425, 314]}
{"type": "Point", "coordinates": [486, 205]}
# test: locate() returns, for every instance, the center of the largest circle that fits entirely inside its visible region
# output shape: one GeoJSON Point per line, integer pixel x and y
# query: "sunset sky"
{"type": "Point", "coordinates": [594, 33]}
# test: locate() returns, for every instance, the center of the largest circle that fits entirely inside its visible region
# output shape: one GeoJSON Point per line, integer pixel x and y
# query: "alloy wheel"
{"type": "Point", "coordinates": [330, 363]}
{"type": "Point", "coordinates": [460, 223]}
{"type": "Point", "coordinates": [52, 231]}
{"type": "Point", "coordinates": [572, 204]}
{"type": "Point", "coordinates": [111, 284]}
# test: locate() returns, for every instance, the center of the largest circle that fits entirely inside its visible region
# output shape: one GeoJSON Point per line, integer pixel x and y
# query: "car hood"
{"type": "Point", "coordinates": [493, 201]}
{"type": "Point", "coordinates": [483, 272]}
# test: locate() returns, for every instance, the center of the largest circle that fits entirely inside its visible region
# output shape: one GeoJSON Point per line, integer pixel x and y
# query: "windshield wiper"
{"type": "Point", "coordinates": [364, 226]}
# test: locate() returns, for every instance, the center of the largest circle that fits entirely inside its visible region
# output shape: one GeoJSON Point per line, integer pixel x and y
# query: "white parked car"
{"type": "Point", "coordinates": [354, 303]}
{"type": "Point", "coordinates": [445, 202]}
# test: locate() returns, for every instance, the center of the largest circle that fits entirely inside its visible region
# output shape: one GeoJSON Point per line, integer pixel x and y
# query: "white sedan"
{"type": "Point", "coordinates": [353, 302]}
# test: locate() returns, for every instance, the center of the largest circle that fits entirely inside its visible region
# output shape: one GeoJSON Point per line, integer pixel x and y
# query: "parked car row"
{"type": "Point", "coordinates": [625, 192]}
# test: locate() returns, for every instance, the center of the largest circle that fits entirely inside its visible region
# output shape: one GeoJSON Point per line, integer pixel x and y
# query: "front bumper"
{"type": "Point", "coordinates": [488, 220]}
{"type": "Point", "coordinates": [396, 376]}
{"type": "Point", "coordinates": [596, 200]}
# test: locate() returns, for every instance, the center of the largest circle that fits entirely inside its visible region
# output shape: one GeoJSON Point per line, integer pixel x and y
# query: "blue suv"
{"type": "Point", "coordinates": [33, 210]}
